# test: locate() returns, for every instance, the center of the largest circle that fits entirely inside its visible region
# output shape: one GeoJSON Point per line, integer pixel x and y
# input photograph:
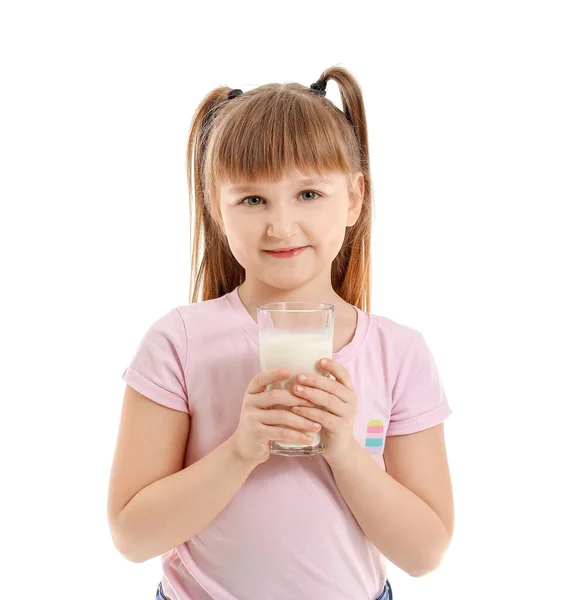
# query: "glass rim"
{"type": "Point", "coordinates": [321, 307]}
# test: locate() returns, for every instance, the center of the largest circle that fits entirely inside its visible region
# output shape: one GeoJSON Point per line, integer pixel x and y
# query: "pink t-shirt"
{"type": "Point", "coordinates": [288, 532]}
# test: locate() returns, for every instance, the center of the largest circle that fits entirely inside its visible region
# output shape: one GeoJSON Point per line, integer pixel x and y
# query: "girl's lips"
{"type": "Point", "coordinates": [287, 254]}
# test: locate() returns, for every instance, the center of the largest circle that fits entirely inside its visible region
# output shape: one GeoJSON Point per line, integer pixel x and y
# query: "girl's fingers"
{"type": "Point", "coordinates": [288, 419]}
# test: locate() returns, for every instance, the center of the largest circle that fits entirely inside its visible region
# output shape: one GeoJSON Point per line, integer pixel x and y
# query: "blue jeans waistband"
{"type": "Point", "coordinates": [387, 594]}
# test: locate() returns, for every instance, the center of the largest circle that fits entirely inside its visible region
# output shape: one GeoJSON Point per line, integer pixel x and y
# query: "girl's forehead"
{"type": "Point", "coordinates": [295, 178]}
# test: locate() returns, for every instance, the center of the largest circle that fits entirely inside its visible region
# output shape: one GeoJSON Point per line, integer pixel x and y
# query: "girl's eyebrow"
{"type": "Point", "coordinates": [250, 187]}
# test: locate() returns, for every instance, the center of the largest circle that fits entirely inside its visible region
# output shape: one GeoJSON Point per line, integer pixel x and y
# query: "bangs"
{"type": "Point", "coordinates": [277, 132]}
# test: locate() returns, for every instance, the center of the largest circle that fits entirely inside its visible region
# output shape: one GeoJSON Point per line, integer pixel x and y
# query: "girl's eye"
{"type": "Point", "coordinates": [306, 192]}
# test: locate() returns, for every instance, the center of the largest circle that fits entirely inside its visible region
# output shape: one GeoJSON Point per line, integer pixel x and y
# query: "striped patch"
{"type": "Point", "coordinates": [374, 436]}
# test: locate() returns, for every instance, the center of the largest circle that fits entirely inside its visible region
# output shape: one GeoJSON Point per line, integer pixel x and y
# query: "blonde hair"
{"type": "Point", "coordinates": [266, 133]}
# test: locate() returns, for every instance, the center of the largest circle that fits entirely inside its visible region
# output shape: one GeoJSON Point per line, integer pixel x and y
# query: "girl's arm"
{"type": "Point", "coordinates": [407, 512]}
{"type": "Point", "coordinates": [154, 504]}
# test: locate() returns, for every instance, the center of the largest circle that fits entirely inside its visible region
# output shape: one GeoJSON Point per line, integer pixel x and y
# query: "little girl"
{"type": "Point", "coordinates": [283, 206]}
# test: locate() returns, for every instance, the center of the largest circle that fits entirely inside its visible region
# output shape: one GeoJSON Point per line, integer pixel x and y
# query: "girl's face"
{"type": "Point", "coordinates": [293, 212]}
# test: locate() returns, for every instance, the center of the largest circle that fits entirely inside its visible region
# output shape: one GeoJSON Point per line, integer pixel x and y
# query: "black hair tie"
{"type": "Point", "coordinates": [233, 94]}
{"type": "Point", "coordinates": [319, 87]}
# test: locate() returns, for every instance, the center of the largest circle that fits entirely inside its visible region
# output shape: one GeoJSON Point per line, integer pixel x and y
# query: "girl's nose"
{"type": "Point", "coordinates": [281, 225]}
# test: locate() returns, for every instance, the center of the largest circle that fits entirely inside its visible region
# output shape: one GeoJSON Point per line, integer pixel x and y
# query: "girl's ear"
{"type": "Point", "coordinates": [219, 222]}
{"type": "Point", "coordinates": [216, 215]}
{"type": "Point", "coordinates": [356, 197]}
{"type": "Point", "coordinates": [221, 225]}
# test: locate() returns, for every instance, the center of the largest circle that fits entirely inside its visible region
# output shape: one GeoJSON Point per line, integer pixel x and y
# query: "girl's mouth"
{"type": "Point", "coordinates": [288, 253]}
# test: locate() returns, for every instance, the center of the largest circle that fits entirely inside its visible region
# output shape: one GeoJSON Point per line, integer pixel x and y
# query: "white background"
{"type": "Point", "coordinates": [464, 105]}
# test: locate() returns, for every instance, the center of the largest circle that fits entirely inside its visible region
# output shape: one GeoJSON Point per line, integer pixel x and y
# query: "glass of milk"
{"type": "Point", "coordinates": [295, 336]}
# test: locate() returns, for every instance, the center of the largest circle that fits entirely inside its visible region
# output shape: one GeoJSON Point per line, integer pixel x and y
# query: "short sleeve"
{"type": "Point", "coordinates": [157, 369]}
{"type": "Point", "coordinates": [418, 398]}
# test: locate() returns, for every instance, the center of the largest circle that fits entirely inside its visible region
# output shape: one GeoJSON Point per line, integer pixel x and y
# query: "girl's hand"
{"type": "Point", "coordinates": [261, 421]}
{"type": "Point", "coordinates": [338, 406]}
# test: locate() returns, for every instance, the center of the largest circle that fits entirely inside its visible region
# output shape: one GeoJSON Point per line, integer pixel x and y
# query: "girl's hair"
{"type": "Point", "coordinates": [267, 133]}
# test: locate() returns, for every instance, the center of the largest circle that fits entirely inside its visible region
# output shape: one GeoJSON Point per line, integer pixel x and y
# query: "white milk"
{"type": "Point", "coordinates": [298, 352]}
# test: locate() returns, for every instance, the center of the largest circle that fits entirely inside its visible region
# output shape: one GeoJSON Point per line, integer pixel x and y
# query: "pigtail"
{"type": "Point", "coordinates": [218, 272]}
{"type": "Point", "coordinates": [350, 273]}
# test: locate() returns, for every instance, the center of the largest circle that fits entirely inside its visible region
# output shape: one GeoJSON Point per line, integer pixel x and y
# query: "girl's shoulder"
{"type": "Point", "coordinates": [390, 326]}
{"type": "Point", "coordinates": [392, 333]}
{"type": "Point", "coordinates": [202, 310]}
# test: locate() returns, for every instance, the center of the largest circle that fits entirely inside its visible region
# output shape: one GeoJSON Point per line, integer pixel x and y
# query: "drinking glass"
{"type": "Point", "coordinates": [295, 336]}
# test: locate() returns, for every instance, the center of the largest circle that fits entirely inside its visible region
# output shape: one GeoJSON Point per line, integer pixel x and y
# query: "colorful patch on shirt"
{"type": "Point", "coordinates": [374, 436]}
